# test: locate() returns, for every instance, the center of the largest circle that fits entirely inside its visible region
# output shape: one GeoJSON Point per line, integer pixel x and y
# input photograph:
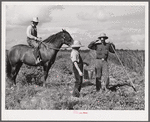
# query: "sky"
{"type": "Point", "coordinates": [123, 24]}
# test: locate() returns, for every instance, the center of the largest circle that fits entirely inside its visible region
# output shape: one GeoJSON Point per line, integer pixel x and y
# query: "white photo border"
{"type": "Point", "coordinates": [69, 115]}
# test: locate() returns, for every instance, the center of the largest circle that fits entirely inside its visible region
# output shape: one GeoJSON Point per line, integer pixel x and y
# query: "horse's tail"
{"type": "Point", "coordinates": [8, 65]}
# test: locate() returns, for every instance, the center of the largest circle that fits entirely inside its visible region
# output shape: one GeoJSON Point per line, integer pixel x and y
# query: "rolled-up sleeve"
{"type": "Point", "coordinates": [92, 45]}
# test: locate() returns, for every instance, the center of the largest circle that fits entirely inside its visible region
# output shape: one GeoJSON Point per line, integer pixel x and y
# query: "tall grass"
{"type": "Point", "coordinates": [132, 59]}
{"type": "Point", "coordinates": [28, 94]}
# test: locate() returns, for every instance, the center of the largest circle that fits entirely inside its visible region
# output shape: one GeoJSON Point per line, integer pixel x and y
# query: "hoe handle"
{"type": "Point", "coordinates": [131, 83]}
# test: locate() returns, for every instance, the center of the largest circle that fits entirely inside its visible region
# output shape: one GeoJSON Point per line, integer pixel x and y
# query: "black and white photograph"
{"type": "Point", "coordinates": [74, 61]}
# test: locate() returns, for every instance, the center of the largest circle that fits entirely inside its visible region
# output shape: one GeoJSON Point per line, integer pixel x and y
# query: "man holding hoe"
{"type": "Point", "coordinates": [101, 65]}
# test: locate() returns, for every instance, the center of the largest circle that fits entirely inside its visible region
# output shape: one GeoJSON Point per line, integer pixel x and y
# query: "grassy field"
{"type": "Point", "coordinates": [29, 94]}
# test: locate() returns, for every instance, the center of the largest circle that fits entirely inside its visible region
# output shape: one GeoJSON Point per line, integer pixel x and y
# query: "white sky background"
{"type": "Point", "coordinates": [123, 24]}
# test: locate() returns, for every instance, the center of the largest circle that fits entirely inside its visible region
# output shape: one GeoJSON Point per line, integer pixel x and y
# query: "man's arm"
{"type": "Point", "coordinates": [74, 60]}
{"type": "Point", "coordinates": [112, 48]}
{"type": "Point", "coordinates": [77, 67]}
{"type": "Point", "coordinates": [92, 45]}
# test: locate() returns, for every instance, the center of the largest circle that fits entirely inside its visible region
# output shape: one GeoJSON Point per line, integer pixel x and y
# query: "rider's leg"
{"type": "Point", "coordinates": [36, 52]}
{"type": "Point", "coordinates": [37, 56]}
{"type": "Point", "coordinates": [30, 43]}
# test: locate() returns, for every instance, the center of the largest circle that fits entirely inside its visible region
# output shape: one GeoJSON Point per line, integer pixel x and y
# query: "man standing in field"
{"type": "Point", "coordinates": [77, 67]}
{"type": "Point", "coordinates": [101, 64]}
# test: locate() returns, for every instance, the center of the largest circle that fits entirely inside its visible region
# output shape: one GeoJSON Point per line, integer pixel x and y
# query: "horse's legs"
{"type": "Point", "coordinates": [18, 68]}
{"type": "Point", "coordinates": [46, 68]}
{"type": "Point", "coordinates": [14, 72]}
{"type": "Point", "coordinates": [12, 77]}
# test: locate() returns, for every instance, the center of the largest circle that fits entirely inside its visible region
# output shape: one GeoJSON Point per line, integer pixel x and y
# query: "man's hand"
{"type": "Point", "coordinates": [80, 73]}
{"type": "Point", "coordinates": [38, 38]}
{"type": "Point", "coordinates": [97, 40]}
{"type": "Point", "coordinates": [35, 38]}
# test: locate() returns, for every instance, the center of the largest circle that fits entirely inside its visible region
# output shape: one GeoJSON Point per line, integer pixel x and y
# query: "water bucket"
{"type": "Point", "coordinates": [88, 73]}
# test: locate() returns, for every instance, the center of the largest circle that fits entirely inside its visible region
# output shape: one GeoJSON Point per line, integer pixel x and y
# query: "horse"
{"type": "Point", "coordinates": [48, 50]}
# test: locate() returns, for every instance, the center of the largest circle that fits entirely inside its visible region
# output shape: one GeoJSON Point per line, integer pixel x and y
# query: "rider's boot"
{"type": "Point", "coordinates": [37, 56]}
{"type": "Point", "coordinates": [38, 60]}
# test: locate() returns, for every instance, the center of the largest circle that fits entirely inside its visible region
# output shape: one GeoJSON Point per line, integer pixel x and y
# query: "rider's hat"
{"type": "Point", "coordinates": [35, 19]}
{"type": "Point", "coordinates": [103, 35]}
{"type": "Point", "coordinates": [77, 44]}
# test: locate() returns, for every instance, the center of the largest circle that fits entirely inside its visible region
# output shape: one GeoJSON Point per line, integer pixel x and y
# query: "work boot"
{"type": "Point", "coordinates": [75, 93]}
{"type": "Point", "coordinates": [38, 60]}
{"type": "Point", "coordinates": [37, 55]}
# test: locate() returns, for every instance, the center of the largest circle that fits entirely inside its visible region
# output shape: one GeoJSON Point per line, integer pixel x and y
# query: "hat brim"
{"type": "Point", "coordinates": [77, 46]}
{"type": "Point", "coordinates": [103, 37]}
{"type": "Point", "coordinates": [34, 21]}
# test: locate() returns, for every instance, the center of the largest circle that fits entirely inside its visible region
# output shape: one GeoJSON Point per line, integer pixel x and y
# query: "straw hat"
{"type": "Point", "coordinates": [35, 19]}
{"type": "Point", "coordinates": [77, 44]}
{"type": "Point", "coordinates": [103, 35]}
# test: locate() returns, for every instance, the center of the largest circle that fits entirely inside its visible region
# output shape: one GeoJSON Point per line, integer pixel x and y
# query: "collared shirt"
{"type": "Point", "coordinates": [102, 50]}
{"type": "Point", "coordinates": [31, 32]}
{"type": "Point", "coordinates": [75, 56]}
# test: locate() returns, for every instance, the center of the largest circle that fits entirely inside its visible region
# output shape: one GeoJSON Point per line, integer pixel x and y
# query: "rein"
{"type": "Point", "coordinates": [48, 46]}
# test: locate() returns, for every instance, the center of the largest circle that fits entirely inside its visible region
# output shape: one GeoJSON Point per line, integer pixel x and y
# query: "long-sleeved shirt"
{"type": "Point", "coordinates": [31, 32]}
{"type": "Point", "coordinates": [102, 50]}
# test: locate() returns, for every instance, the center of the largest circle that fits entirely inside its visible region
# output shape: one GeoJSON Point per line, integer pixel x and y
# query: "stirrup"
{"type": "Point", "coordinates": [38, 61]}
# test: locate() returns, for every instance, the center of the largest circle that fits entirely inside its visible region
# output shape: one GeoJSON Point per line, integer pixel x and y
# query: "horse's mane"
{"type": "Point", "coordinates": [52, 38]}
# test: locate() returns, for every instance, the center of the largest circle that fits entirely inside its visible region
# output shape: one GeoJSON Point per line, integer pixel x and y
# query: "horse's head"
{"type": "Point", "coordinates": [60, 38]}
{"type": "Point", "coordinates": [68, 40]}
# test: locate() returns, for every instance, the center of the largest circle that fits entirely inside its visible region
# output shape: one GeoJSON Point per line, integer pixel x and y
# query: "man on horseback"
{"type": "Point", "coordinates": [101, 64]}
{"type": "Point", "coordinates": [32, 38]}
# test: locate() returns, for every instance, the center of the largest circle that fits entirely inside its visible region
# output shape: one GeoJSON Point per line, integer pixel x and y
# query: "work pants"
{"type": "Point", "coordinates": [32, 43]}
{"type": "Point", "coordinates": [78, 78]}
{"type": "Point", "coordinates": [101, 69]}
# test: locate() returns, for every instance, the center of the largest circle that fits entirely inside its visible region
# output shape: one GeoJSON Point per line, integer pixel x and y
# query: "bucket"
{"type": "Point", "coordinates": [88, 73]}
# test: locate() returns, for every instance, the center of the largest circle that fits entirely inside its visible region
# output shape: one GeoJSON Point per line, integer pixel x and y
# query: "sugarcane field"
{"type": "Point", "coordinates": [29, 94]}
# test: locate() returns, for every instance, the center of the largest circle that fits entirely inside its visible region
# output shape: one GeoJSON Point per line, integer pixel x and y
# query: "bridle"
{"type": "Point", "coordinates": [48, 46]}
